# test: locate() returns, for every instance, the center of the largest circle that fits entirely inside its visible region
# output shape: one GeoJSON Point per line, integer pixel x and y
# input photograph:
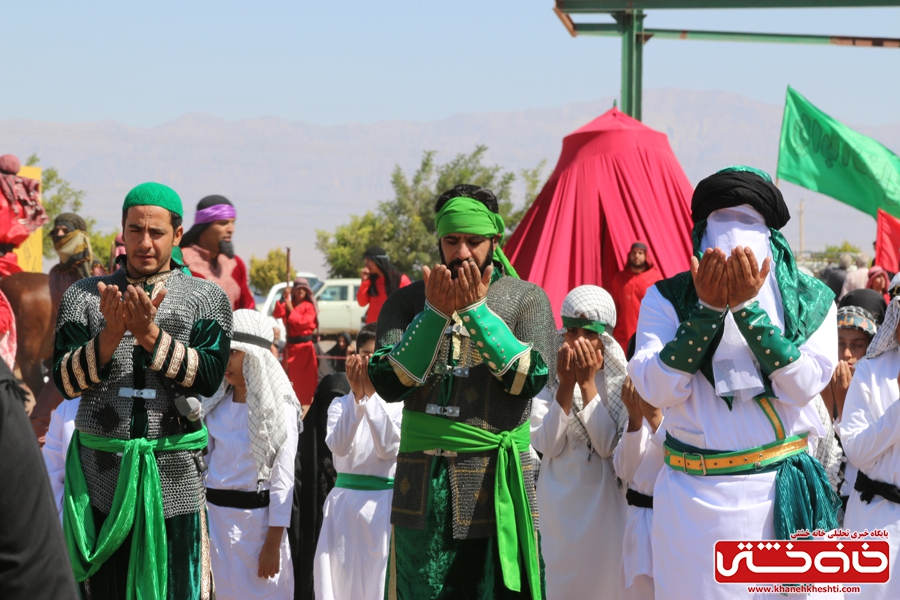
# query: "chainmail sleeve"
{"type": "Point", "coordinates": [75, 354]}
{"type": "Point", "coordinates": [539, 331]}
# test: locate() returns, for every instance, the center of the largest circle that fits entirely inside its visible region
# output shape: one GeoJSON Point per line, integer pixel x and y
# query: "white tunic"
{"type": "Point", "coordinates": [692, 512]}
{"type": "Point", "coordinates": [638, 460]}
{"type": "Point", "coordinates": [870, 433]}
{"type": "Point", "coordinates": [582, 509]}
{"type": "Point", "coordinates": [351, 556]}
{"type": "Point", "coordinates": [56, 446]}
{"type": "Point", "coordinates": [237, 535]}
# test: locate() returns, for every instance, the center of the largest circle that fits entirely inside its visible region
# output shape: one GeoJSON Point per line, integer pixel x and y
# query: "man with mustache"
{"type": "Point", "coordinates": [209, 252]}
{"type": "Point", "coordinates": [465, 350]}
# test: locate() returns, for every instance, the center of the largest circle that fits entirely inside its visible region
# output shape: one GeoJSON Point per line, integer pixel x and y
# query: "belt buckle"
{"type": "Point", "coordinates": [444, 411]}
{"type": "Point", "coordinates": [461, 371]}
{"type": "Point", "coordinates": [440, 452]}
{"type": "Point", "coordinates": [684, 456]}
{"type": "Point", "coordinates": [148, 393]}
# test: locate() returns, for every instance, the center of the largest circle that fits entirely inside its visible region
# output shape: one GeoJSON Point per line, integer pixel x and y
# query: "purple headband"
{"type": "Point", "coordinates": [216, 212]}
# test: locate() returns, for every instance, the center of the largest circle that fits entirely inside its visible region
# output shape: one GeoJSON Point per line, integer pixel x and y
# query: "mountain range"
{"type": "Point", "coordinates": [288, 179]}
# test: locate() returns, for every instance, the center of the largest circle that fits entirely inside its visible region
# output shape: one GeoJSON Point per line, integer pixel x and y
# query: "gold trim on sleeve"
{"type": "Point", "coordinates": [90, 352]}
{"type": "Point", "coordinates": [522, 370]}
{"type": "Point", "coordinates": [193, 363]}
{"type": "Point", "coordinates": [162, 350]}
{"type": "Point", "coordinates": [64, 374]}
{"type": "Point", "coordinates": [178, 353]}
{"type": "Point", "coordinates": [76, 368]}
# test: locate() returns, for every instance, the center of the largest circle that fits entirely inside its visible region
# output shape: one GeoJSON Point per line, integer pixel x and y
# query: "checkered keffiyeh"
{"type": "Point", "coordinates": [268, 388]}
{"type": "Point", "coordinates": [595, 303]}
{"type": "Point", "coordinates": [886, 338]}
{"type": "Point", "coordinates": [855, 317]}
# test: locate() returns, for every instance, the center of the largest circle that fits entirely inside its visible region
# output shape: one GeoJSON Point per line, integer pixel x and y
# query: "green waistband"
{"type": "Point", "coordinates": [365, 483]}
{"type": "Point", "coordinates": [137, 508]}
{"type": "Point", "coordinates": [515, 528]}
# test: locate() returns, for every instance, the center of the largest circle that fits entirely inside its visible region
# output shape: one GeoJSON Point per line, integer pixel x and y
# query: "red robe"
{"type": "Point", "coordinates": [300, 357]}
{"type": "Point", "coordinates": [375, 302]}
{"type": "Point", "coordinates": [628, 290]}
{"type": "Point", "coordinates": [230, 274]}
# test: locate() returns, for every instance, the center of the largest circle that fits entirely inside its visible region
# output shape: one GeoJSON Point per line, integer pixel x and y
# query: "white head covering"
{"type": "Point", "coordinates": [886, 338]}
{"type": "Point", "coordinates": [268, 388]}
{"type": "Point", "coordinates": [735, 369]}
{"type": "Point", "coordinates": [595, 303]}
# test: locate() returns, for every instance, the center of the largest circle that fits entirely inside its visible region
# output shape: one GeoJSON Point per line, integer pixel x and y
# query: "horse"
{"type": "Point", "coordinates": [29, 296]}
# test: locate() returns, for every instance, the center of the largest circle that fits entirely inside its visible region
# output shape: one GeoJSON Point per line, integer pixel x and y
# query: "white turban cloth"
{"type": "Point", "coordinates": [595, 304]}
{"type": "Point", "coordinates": [268, 389]}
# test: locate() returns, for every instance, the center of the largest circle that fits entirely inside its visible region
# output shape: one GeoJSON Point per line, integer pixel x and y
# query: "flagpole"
{"type": "Point", "coordinates": [801, 226]}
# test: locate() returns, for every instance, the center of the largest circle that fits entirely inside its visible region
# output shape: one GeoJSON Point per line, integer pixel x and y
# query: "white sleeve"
{"type": "Point", "coordinates": [799, 383]}
{"type": "Point", "coordinates": [867, 433]}
{"type": "Point", "coordinates": [630, 451]}
{"type": "Point", "coordinates": [660, 385]}
{"type": "Point", "coordinates": [600, 427]}
{"type": "Point", "coordinates": [385, 431]}
{"type": "Point", "coordinates": [549, 424]}
{"type": "Point", "coordinates": [344, 417]}
{"type": "Point", "coordinates": [281, 484]}
{"type": "Point", "coordinates": [55, 458]}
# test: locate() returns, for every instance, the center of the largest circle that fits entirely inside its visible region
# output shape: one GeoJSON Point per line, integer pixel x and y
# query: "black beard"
{"type": "Point", "coordinates": [457, 263]}
{"type": "Point", "coordinates": [226, 248]}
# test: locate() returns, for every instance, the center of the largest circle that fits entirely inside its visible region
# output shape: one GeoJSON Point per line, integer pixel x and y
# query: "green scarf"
{"type": "Point", "coordinates": [466, 215]}
{"type": "Point", "coordinates": [364, 483]}
{"type": "Point", "coordinates": [137, 507]}
{"type": "Point", "coordinates": [805, 300]}
{"type": "Point", "coordinates": [516, 540]}
{"type": "Point", "coordinates": [576, 323]}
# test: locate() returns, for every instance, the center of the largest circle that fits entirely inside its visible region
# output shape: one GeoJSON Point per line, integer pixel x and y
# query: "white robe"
{"type": "Point", "coordinates": [690, 513]}
{"type": "Point", "coordinates": [582, 509]}
{"type": "Point", "coordinates": [237, 535]}
{"type": "Point", "coordinates": [56, 446]}
{"type": "Point", "coordinates": [638, 460]}
{"type": "Point", "coordinates": [870, 433]}
{"type": "Point", "coordinates": [351, 556]}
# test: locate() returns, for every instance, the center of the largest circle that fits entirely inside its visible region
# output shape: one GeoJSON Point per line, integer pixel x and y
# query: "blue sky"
{"type": "Point", "coordinates": [337, 62]}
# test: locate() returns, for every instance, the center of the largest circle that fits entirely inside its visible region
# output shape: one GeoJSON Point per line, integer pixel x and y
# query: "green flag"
{"type": "Point", "coordinates": [828, 157]}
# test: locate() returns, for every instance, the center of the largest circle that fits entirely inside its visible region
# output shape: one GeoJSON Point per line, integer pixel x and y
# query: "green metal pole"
{"type": "Point", "coordinates": [637, 77]}
{"type": "Point", "coordinates": [626, 20]}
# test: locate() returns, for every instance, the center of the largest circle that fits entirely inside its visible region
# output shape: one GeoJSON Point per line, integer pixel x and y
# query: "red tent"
{"type": "Point", "coordinates": [617, 181]}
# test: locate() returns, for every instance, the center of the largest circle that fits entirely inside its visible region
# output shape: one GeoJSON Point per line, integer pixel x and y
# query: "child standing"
{"type": "Point", "coordinates": [363, 434]}
{"type": "Point", "coordinates": [253, 424]}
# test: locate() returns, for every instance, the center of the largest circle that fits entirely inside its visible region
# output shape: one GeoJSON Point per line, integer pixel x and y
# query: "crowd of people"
{"type": "Point", "coordinates": [464, 445]}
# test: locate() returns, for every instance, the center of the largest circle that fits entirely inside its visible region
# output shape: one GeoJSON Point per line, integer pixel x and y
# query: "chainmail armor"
{"type": "Point", "coordinates": [482, 400]}
{"type": "Point", "coordinates": [104, 412]}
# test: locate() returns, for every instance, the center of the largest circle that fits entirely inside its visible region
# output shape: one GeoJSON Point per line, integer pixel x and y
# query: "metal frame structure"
{"type": "Point", "coordinates": [629, 24]}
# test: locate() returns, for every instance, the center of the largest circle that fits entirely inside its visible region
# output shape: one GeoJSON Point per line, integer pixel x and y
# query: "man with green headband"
{"type": "Point", "coordinates": [134, 345]}
{"type": "Point", "coordinates": [465, 350]}
{"type": "Point", "coordinates": [735, 351]}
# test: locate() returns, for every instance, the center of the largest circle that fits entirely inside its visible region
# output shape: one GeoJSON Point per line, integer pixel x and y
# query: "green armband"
{"type": "Point", "coordinates": [773, 351]}
{"type": "Point", "coordinates": [497, 345]}
{"type": "Point", "coordinates": [417, 351]}
{"type": "Point", "coordinates": [695, 336]}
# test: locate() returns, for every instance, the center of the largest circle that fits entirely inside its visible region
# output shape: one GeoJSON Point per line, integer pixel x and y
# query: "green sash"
{"type": "Point", "coordinates": [365, 483]}
{"type": "Point", "coordinates": [136, 507]}
{"type": "Point", "coordinates": [516, 540]}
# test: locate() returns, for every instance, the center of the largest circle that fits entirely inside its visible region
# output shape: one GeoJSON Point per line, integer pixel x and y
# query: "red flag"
{"type": "Point", "coordinates": [887, 243]}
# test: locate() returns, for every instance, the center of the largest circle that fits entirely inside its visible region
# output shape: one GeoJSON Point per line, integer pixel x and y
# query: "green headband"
{"type": "Point", "coordinates": [576, 323]}
{"type": "Point", "coordinates": [467, 215]}
{"type": "Point", "coordinates": [154, 194]}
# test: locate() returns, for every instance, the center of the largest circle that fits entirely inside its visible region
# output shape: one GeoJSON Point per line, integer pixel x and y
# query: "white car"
{"type": "Point", "coordinates": [336, 299]}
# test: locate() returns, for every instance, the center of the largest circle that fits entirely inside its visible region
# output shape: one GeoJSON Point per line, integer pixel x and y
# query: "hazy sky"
{"type": "Point", "coordinates": [363, 61]}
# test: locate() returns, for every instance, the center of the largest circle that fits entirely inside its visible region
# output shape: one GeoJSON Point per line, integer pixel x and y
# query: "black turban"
{"type": "Point", "coordinates": [732, 187]}
{"type": "Point", "coordinates": [71, 221]}
{"type": "Point", "coordinates": [870, 300]}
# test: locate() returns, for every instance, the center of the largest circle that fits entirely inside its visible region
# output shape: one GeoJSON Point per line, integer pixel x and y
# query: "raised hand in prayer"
{"type": "Point", "coordinates": [565, 371]}
{"type": "Point", "coordinates": [113, 310]}
{"type": "Point", "coordinates": [471, 284]}
{"type": "Point", "coordinates": [745, 278]}
{"type": "Point", "coordinates": [358, 375]}
{"type": "Point", "coordinates": [710, 279]}
{"type": "Point", "coordinates": [439, 289]}
{"type": "Point", "coordinates": [632, 402]}
{"type": "Point", "coordinates": [140, 315]}
{"type": "Point", "coordinates": [835, 393]}
{"type": "Point", "coordinates": [587, 363]}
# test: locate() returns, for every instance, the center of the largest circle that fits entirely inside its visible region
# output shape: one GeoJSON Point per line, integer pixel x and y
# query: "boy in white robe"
{"type": "Point", "coordinates": [576, 428]}
{"type": "Point", "coordinates": [56, 444]}
{"type": "Point", "coordinates": [638, 460]}
{"type": "Point", "coordinates": [734, 351]}
{"type": "Point", "coordinates": [870, 432]}
{"type": "Point", "coordinates": [253, 423]}
{"type": "Point", "coordinates": [363, 433]}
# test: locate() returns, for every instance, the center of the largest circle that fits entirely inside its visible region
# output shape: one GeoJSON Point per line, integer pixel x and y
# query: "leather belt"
{"type": "Point", "coordinates": [299, 339]}
{"type": "Point", "coordinates": [237, 499]}
{"type": "Point", "coordinates": [635, 498]}
{"type": "Point", "coordinates": [727, 463]}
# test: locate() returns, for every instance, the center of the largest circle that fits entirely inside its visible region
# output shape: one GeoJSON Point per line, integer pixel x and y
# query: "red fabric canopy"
{"type": "Point", "coordinates": [887, 242]}
{"type": "Point", "coordinates": [617, 181]}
